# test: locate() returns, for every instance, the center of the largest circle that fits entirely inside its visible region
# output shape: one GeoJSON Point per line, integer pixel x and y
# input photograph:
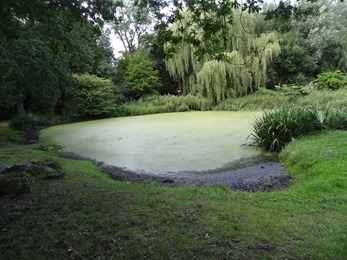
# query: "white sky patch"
{"type": "Point", "coordinates": [117, 44]}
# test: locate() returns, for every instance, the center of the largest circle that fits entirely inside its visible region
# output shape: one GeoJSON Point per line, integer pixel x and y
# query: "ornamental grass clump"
{"type": "Point", "coordinates": [274, 129]}
{"type": "Point", "coordinates": [334, 118]}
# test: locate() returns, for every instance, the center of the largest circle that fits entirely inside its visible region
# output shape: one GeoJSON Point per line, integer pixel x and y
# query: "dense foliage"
{"type": "Point", "coordinates": [42, 43]}
{"type": "Point", "coordinates": [89, 96]}
{"type": "Point", "coordinates": [140, 77]}
{"type": "Point", "coordinates": [331, 80]}
{"type": "Point", "coordinates": [243, 70]}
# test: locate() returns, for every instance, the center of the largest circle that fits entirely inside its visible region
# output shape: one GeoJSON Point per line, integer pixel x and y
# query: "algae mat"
{"type": "Point", "coordinates": [161, 143]}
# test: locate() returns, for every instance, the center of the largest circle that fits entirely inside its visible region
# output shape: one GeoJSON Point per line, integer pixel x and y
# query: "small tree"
{"type": "Point", "coordinates": [140, 77]}
{"type": "Point", "coordinates": [89, 96]}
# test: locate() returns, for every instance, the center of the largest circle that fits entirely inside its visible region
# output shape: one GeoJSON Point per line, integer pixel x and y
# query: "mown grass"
{"type": "Point", "coordinates": [88, 215]}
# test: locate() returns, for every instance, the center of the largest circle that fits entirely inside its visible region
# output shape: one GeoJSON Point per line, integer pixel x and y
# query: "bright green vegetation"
{"type": "Point", "coordinates": [331, 80]}
{"type": "Point", "coordinates": [89, 215]}
{"type": "Point", "coordinates": [163, 143]}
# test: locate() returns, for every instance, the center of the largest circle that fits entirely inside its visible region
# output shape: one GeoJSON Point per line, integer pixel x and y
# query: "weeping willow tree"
{"type": "Point", "coordinates": [243, 71]}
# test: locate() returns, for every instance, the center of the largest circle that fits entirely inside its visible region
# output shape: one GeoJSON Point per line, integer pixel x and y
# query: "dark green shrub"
{"type": "Point", "coordinates": [89, 96]}
{"type": "Point", "coordinates": [274, 129]}
{"type": "Point", "coordinates": [331, 80]}
{"type": "Point", "coordinates": [28, 121]}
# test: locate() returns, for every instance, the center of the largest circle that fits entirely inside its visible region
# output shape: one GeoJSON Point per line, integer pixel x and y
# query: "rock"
{"type": "Point", "coordinates": [52, 164]}
{"type": "Point", "coordinates": [56, 175]}
{"type": "Point", "coordinates": [169, 181]}
{"type": "Point", "coordinates": [25, 166]}
{"type": "Point", "coordinates": [4, 169]}
{"type": "Point", "coordinates": [48, 170]}
{"type": "Point", "coordinates": [35, 169]}
{"type": "Point", "coordinates": [14, 186]}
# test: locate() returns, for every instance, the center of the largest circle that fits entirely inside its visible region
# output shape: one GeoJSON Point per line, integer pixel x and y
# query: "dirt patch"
{"type": "Point", "coordinates": [261, 176]}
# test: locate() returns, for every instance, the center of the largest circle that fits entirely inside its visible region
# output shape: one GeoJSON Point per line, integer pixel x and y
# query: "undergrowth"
{"type": "Point", "coordinates": [163, 104]}
{"type": "Point", "coordinates": [263, 99]}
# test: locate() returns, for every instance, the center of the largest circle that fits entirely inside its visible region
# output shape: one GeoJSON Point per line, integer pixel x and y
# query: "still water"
{"type": "Point", "coordinates": [161, 143]}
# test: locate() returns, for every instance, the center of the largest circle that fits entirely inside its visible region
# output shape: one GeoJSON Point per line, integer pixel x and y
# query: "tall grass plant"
{"type": "Point", "coordinates": [254, 102]}
{"type": "Point", "coordinates": [274, 129]}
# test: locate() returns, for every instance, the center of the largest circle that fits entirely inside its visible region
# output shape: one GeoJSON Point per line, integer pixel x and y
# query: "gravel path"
{"type": "Point", "coordinates": [266, 176]}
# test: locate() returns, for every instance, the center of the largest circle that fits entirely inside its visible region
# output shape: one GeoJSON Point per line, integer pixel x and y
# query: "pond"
{"type": "Point", "coordinates": [161, 143]}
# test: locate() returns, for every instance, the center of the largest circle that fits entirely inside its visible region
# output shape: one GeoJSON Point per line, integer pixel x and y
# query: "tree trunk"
{"type": "Point", "coordinates": [20, 108]}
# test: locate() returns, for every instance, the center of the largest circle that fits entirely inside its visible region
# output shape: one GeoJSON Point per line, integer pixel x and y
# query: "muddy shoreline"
{"type": "Point", "coordinates": [250, 175]}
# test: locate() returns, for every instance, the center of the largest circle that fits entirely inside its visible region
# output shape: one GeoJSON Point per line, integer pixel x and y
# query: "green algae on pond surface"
{"type": "Point", "coordinates": [161, 143]}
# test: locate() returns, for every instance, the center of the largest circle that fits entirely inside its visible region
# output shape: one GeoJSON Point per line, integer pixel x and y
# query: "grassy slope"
{"type": "Point", "coordinates": [88, 215]}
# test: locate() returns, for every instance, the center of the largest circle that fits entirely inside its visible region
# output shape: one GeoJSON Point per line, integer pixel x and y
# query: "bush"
{"type": "Point", "coordinates": [331, 80]}
{"type": "Point", "coordinates": [273, 130]}
{"type": "Point", "coordinates": [26, 122]}
{"type": "Point", "coordinates": [89, 96]}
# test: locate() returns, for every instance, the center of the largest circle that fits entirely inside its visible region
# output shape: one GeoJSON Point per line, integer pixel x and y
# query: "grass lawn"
{"type": "Point", "coordinates": [88, 215]}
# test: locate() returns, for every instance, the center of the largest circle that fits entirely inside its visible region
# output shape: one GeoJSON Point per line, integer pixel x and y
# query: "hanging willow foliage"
{"type": "Point", "coordinates": [243, 72]}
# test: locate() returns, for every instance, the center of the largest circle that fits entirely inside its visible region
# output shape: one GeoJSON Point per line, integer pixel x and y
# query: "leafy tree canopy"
{"type": "Point", "coordinates": [213, 19]}
{"type": "Point", "coordinates": [41, 42]}
{"type": "Point", "coordinates": [218, 79]}
{"type": "Point", "coordinates": [140, 77]}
